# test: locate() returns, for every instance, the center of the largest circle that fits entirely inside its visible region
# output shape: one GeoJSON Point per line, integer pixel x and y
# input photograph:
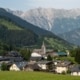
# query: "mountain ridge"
{"type": "Point", "coordinates": [58, 21]}
{"type": "Point", "coordinates": [48, 16]}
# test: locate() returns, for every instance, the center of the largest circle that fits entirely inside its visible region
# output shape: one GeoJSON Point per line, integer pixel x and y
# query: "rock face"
{"type": "Point", "coordinates": [59, 21]}
{"type": "Point", "coordinates": [51, 19]}
{"type": "Point", "coordinates": [17, 12]}
{"type": "Point", "coordinates": [54, 20]}
{"type": "Point", "coordinates": [72, 36]}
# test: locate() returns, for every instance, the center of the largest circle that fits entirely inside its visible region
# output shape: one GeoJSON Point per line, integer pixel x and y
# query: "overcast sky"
{"type": "Point", "coordinates": [31, 4]}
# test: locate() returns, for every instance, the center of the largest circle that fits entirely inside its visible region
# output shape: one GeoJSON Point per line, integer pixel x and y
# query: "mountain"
{"type": "Point", "coordinates": [15, 31]}
{"type": "Point", "coordinates": [58, 21]}
{"type": "Point", "coordinates": [17, 12]}
{"type": "Point", "coordinates": [54, 20]}
{"type": "Point", "coordinates": [72, 36]}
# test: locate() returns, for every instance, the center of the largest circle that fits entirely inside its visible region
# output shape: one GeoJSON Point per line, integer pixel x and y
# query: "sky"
{"type": "Point", "coordinates": [32, 4]}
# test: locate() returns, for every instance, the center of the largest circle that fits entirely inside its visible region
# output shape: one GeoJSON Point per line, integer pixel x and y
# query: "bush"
{"type": "Point", "coordinates": [4, 67]}
{"type": "Point", "coordinates": [63, 72]}
{"type": "Point", "coordinates": [68, 71]}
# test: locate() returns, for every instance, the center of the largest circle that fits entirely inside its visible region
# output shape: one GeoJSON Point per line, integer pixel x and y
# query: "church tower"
{"type": "Point", "coordinates": [43, 48]}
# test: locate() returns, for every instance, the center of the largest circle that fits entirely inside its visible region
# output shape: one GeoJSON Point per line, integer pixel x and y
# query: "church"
{"type": "Point", "coordinates": [39, 54]}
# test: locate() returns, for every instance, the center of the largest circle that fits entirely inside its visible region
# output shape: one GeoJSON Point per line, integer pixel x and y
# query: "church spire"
{"type": "Point", "coordinates": [43, 48]}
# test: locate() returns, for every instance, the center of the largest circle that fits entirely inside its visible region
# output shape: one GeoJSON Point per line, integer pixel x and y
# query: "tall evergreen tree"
{"type": "Point", "coordinates": [77, 56]}
{"type": "Point", "coordinates": [49, 58]}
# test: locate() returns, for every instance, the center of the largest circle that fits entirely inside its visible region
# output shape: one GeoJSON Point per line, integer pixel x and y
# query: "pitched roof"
{"type": "Point", "coordinates": [63, 63]}
{"type": "Point", "coordinates": [61, 53]}
{"type": "Point", "coordinates": [21, 64]}
{"type": "Point", "coordinates": [33, 66]}
{"type": "Point", "coordinates": [14, 53]}
{"type": "Point", "coordinates": [43, 62]}
{"type": "Point", "coordinates": [75, 68]}
{"type": "Point", "coordinates": [35, 58]}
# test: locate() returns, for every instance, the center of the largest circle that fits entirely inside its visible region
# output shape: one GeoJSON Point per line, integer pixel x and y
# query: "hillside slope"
{"type": "Point", "coordinates": [13, 34]}
{"type": "Point", "coordinates": [72, 36]}
{"type": "Point", "coordinates": [18, 32]}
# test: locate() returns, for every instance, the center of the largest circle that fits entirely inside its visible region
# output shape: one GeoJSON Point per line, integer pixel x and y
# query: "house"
{"type": "Point", "coordinates": [52, 53]}
{"type": "Point", "coordinates": [62, 66]}
{"type": "Point", "coordinates": [44, 65]}
{"type": "Point", "coordinates": [38, 66]}
{"type": "Point", "coordinates": [14, 67]}
{"type": "Point", "coordinates": [13, 54]}
{"type": "Point", "coordinates": [32, 67]}
{"type": "Point", "coordinates": [35, 57]}
{"type": "Point", "coordinates": [75, 70]}
{"type": "Point", "coordinates": [60, 69]}
{"type": "Point", "coordinates": [56, 54]}
{"type": "Point", "coordinates": [18, 66]}
{"type": "Point", "coordinates": [3, 59]}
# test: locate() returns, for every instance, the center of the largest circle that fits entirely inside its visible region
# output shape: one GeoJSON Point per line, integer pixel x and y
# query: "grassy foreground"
{"type": "Point", "coordinates": [34, 76]}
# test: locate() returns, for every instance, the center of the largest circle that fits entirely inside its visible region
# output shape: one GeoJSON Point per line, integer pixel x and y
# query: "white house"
{"type": "Point", "coordinates": [35, 57]}
{"type": "Point", "coordinates": [65, 66]}
{"type": "Point", "coordinates": [18, 66]}
{"type": "Point", "coordinates": [14, 67]}
{"type": "Point", "coordinates": [75, 73]}
{"type": "Point", "coordinates": [43, 64]}
{"type": "Point", "coordinates": [75, 70]}
{"type": "Point", "coordinates": [62, 66]}
{"type": "Point", "coordinates": [34, 54]}
{"type": "Point", "coordinates": [61, 69]}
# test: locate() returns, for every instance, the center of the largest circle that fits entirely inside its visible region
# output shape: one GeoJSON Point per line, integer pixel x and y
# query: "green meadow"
{"type": "Point", "coordinates": [35, 76]}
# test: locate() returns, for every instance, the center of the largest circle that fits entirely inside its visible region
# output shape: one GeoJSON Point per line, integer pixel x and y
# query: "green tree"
{"type": "Point", "coordinates": [77, 56]}
{"type": "Point", "coordinates": [26, 53]}
{"type": "Point", "coordinates": [49, 58]}
{"type": "Point", "coordinates": [4, 67]}
{"type": "Point", "coordinates": [3, 52]}
{"type": "Point", "coordinates": [73, 52]}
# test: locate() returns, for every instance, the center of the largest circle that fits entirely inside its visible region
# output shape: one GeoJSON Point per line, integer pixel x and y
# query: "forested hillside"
{"type": "Point", "coordinates": [15, 35]}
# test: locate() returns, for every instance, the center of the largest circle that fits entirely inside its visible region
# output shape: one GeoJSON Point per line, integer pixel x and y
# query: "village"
{"type": "Point", "coordinates": [40, 60]}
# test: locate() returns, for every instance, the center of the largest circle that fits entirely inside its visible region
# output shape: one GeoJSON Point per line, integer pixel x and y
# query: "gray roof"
{"type": "Point", "coordinates": [43, 62]}
{"type": "Point", "coordinates": [33, 66]}
{"type": "Point", "coordinates": [75, 68]}
{"type": "Point", "coordinates": [21, 64]}
{"type": "Point", "coordinates": [14, 59]}
{"type": "Point", "coordinates": [63, 63]}
{"type": "Point", "coordinates": [14, 53]}
{"type": "Point", "coordinates": [35, 58]}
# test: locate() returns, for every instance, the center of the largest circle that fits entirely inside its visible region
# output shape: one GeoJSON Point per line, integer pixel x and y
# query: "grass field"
{"type": "Point", "coordinates": [34, 76]}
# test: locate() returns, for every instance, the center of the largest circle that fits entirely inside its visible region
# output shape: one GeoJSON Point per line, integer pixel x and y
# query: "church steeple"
{"type": "Point", "coordinates": [43, 48]}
